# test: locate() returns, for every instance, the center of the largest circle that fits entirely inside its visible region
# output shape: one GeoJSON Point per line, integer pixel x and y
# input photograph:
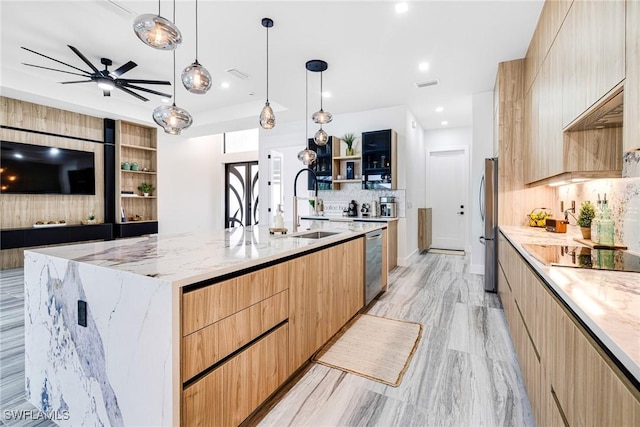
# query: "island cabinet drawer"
{"type": "Point", "coordinates": [211, 344]}
{"type": "Point", "coordinates": [230, 393]}
{"type": "Point", "coordinates": [207, 305]}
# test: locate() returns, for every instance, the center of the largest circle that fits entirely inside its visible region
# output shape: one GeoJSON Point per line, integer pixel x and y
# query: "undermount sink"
{"type": "Point", "coordinates": [316, 234]}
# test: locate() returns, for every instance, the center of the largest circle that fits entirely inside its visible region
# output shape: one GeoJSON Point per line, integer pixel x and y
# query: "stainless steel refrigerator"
{"type": "Point", "coordinates": [488, 198]}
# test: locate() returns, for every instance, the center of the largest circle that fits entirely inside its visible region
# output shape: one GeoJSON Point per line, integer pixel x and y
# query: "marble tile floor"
{"type": "Point", "coordinates": [464, 372]}
{"type": "Point", "coordinates": [12, 394]}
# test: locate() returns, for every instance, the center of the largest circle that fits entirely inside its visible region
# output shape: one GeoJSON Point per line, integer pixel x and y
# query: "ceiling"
{"type": "Point", "coordinates": [373, 55]}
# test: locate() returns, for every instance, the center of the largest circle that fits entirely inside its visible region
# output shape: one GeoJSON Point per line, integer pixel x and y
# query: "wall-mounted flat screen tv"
{"type": "Point", "coordinates": [36, 169]}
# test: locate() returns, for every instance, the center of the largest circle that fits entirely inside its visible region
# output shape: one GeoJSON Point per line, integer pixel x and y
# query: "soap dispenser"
{"type": "Point", "coordinates": [278, 219]}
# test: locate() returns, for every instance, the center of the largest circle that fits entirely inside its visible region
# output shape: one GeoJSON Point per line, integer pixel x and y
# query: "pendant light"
{"type": "Point", "coordinates": [322, 117]}
{"type": "Point", "coordinates": [156, 31]}
{"type": "Point", "coordinates": [172, 119]}
{"type": "Point", "coordinates": [267, 118]}
{"type": "Point", "coordinates": [196, 78]}
{"type": "Point", "coordinates": [306, 156]}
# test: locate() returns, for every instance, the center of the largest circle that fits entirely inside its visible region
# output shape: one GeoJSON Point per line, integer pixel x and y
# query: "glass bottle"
{"type": "Point", "coordinates": [605, 226]}
{"type": "Point", "coordinates": [596, 221]}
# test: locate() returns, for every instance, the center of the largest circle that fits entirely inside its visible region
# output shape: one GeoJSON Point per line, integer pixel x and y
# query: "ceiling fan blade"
{"type": "Point", "coordinates": [147, 82]}
{"type": "Point", "coordinates": [53, 59]}
{"type": "Point", "coordinates": [60, 71]}
{"type": "Point", "coordinates": [106, 92]}
{"type": "Point", "coordinates": [124, 89]}
{"type": "Point", "coordinates": [124, 68]}
{"type": "Point", "coordinates": [84, 59]}
{"type": "Point", "coordinates": [144, 89]}
{"type": "Point", "coordinates": [76, 81]}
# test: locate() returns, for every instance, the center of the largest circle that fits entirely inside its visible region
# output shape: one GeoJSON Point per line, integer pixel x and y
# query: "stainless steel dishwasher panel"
{"type": "Point", "coordinates": [372, 265]}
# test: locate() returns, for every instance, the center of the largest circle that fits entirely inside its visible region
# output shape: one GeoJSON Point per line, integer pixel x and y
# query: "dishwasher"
{"type": "Point", "coordinates": [372, 265]}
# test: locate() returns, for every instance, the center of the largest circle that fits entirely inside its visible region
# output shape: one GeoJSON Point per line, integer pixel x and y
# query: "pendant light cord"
{"type": "Point", "coordinates": [158, 7]}
{"type": "Point", "coordinates": [196, 30]}
{"type": "Point", "coordinates": [321, 95]}
{"type": "Point", "coordinates": [174, 78]}
{"type": "Point", "coordinates": [267, 63]}
{"type": "Point", "coordinates": [306, 108]}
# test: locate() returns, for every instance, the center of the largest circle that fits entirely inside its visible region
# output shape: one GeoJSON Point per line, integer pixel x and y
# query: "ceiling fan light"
{"type": "Point", "coordinates": [106, 84]}
{"type": "Point", "coordinates": [196, 78]}
{"type": "Point", "coordinates": [322, 117]}
{"type": "Point", "coordinates": [267, 118]}
{"type": "Point", "coordinates": [307, 156]}
{"type": "Point", "coordinates": [321, 138]}
{"type": "Point", "coordinates": [172, 119]}
{"type": "Point", "coordinates": [157, 32]}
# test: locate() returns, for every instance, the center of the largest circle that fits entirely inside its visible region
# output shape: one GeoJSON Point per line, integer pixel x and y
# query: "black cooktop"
{"type": "Point", "coordinates": [583, 257]}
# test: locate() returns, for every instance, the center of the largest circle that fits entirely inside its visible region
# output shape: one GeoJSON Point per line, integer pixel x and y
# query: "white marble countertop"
{"type": "Point", "coordinates": [336, 218]}
{"type": "Point", "coordinates": [608, 302]}
{"type": "Point", "coordinates": [183, 259]}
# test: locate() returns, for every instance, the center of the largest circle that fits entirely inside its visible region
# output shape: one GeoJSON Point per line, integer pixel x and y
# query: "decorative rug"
{"type": "Point", "coordinates": [373, 347]}
{"type": "Point", "coordinates": [446, 252]}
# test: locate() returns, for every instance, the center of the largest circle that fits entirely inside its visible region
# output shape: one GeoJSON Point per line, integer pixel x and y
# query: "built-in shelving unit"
{"type": "Point", "coordinates": [136, 214]}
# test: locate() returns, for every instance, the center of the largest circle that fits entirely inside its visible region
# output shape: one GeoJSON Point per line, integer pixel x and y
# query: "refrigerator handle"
{"type": "Point", "coordinates": [481, 198]}
{"type": "Point", "coordinates": [481, 239]}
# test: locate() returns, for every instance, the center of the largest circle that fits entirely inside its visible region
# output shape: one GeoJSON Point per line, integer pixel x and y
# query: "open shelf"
{"type": "Point", "coordinates": [145, 172]}
{"type": "Point", "coordinates": [138, 147]}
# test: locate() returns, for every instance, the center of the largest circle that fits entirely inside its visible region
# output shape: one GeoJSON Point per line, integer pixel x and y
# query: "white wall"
{"type": "Point", "coordinates": [481, 148]}
{"type": "Point", "coordinates": [191, 182]}
{"type": "Point", "coordinates": [416, 178]}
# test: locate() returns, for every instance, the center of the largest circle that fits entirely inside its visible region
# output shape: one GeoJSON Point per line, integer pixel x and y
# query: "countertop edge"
{"type": "Point", "coordinates": [609, 346]}
{"type": "Point", "coordinates": [348, 218]}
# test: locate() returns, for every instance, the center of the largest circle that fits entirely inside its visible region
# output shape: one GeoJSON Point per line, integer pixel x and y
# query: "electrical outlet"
{"type": "Point", "coordinates": [82, 313]}
{"type": "Point", "coordinates": [573, 205]}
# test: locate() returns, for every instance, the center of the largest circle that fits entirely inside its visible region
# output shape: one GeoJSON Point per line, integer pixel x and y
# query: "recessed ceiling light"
{"type": "Point", "coordinates": [444, 123]}
{"type": "Point", "coordinates": [166, 100]}
{"type": "Point", "coordinates": [225, 85]}
{"type": "Point", "coordinates": [251, 93]}
{"type": "Point", "coordinates": [423, 66]}
{"type": "Point", "coordinates": [439, 109]}
{"type": "Point", "coordinates": [402, 7]}
{"type": "Point", "coordinates": [326, 94]}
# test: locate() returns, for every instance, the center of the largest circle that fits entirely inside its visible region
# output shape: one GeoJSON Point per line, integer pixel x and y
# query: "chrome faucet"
{"type": "Point", "coordinates": [296, 218]}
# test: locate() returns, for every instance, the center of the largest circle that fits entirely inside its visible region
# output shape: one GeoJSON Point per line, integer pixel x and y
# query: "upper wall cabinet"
{"type": "Point", "coordinates": [592, 39]}
{"type": "Point", "coordinates": [379, 152]}
{"type": "Point", "coordinates": [632, 82]}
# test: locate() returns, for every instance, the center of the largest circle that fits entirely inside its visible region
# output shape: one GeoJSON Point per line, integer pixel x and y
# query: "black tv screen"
{"type": "Point", "coordinates": [36, 169]}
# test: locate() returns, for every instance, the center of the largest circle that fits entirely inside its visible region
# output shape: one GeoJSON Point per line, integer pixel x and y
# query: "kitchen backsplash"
{"type": "Point", "coordinates": [336, 200]}
{"type": "Point", "coordinates": [623, 196]}
{"type": "Point", "coordinates": [631, 164]}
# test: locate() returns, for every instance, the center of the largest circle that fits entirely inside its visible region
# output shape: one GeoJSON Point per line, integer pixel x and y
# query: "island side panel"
{"type": "Point", "coordinates": [120, 368]}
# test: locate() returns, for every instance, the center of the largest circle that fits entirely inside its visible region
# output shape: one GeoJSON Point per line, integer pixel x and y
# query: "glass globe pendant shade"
{"type": "Point", "coordinates": [157, 32]}
{"type": "Point", "coordinates": [196, 78]}
{"type": "Point", "coordinates": [322, 117]}
{"type": "Point", "coordinates": [321, 138]}
{"type": "Point", "coordinates": [307, 156]}
{"type": "Point", "coordinates": [267, 118]}
{"type": "Point", "coordinates": [172, 119]}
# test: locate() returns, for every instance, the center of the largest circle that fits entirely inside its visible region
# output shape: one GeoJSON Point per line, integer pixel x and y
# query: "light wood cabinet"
{"type": "Point", "coordinates": [424, 229]}
{"type": "Point", "coordinates": [136, 145]}
{"type": "Point", "coordinates": [569, 378]}
{"type": "Point", "coordinates": [631, 140]}
{"type": "Point", "coordinates": [231, 392]}
{"type": "Point", "coordinates": [326, 289]}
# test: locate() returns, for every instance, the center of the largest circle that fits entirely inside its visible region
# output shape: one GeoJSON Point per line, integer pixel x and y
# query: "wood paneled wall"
{"type": "Point", "coordinates": [22, 211]}
{"type": "Point", "coordinates": [514, 200]}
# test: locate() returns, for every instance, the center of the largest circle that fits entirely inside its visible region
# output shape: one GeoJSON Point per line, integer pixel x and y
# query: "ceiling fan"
{"type": "Point", "coordinates": [106, 80]}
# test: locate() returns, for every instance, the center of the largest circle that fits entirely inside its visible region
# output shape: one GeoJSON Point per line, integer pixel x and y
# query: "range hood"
{"type": "Point", "coordinates": [607, 113]}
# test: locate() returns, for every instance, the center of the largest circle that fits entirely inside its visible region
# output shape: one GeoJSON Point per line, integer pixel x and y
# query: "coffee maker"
{"type": "Point", "coordinates": [353, 208]}
{"type": "Point", "coordinates": [388, 207]}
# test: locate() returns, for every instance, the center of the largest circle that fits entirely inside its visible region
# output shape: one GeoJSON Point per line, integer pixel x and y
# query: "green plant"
{"type": "Point", "coordinates": [587, 213]}
{"type": "Point", "coordinates": [146, 188]}
{"type": "Point", "coordinates": [349, 139]}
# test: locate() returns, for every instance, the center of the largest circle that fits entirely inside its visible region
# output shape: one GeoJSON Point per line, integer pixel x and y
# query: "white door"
{"type": "Point", "coordinates": [449, 196]}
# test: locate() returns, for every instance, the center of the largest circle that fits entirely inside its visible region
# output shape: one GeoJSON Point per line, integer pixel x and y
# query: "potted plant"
{"type": "Point", "coordinates": [586, 214]}
{"type": "Point", "coordinates": [349, 139]}
{"type": "Point", "coordinates": [146, 189]}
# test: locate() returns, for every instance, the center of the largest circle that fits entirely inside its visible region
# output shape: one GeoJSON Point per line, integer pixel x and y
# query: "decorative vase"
{"type": "Point", "coordinates": [147, 195]}
{"type": "Point", "coordinates": [125, 166]}
{"type": "Point", "coordinates": [351, 151]}
{"type": "Point", "coordinates": [134, 166]}
{"type": "Point", "coordinates": [586, 232]}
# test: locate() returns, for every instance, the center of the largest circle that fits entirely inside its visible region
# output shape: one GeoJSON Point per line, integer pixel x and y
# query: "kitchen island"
{"type": "Point", "coordinates": [150, 330]}
{"type": "Point", "coordinates": [576, 332]}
